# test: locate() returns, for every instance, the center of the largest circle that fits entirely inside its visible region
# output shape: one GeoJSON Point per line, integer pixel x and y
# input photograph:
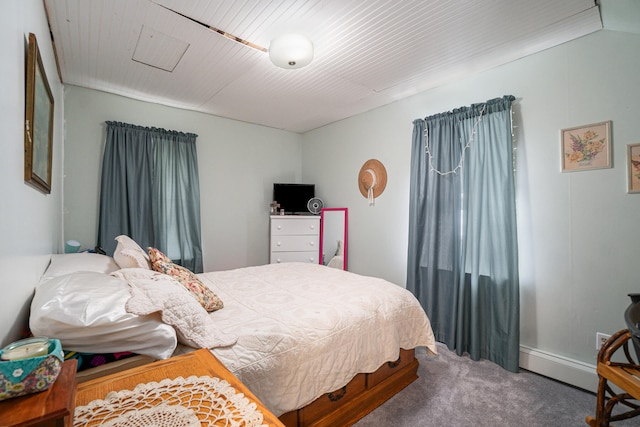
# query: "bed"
{"type": "Point", "coordinates": [317, 345]}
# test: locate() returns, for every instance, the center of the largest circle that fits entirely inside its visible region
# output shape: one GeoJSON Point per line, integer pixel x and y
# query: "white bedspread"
{"type": "Point", "coordinates": [305, 330]}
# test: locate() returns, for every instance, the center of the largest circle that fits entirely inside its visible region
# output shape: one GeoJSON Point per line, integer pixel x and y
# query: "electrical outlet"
{"type": "Point", "coordinates": [601, 339]}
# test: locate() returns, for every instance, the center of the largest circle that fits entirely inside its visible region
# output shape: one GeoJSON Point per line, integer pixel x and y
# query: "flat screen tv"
{"type": "Point", "coordinates": [293, 198]}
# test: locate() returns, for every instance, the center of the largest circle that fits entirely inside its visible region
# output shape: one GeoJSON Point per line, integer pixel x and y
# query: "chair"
{"type": "Point", "coordinates": [623, 375]}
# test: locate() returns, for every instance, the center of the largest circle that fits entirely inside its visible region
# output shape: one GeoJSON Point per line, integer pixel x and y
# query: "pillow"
{"type": "Point", "coordinates": [336, 262]}
{"type": "Point", "coordinates": [129, 254]}
{"type": "Point", "coordinates": [157, 255]}
{"type": "Point", "coordinates": [86, 312]}
{"type": "Point", "coordinates": [152, 291]}
{"type": "Point", "coordinates": [204, 295]}
{"type": "Point", "coordinates": [62, 264]}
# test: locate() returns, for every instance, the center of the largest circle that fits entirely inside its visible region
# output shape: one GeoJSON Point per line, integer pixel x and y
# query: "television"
{"type": "Point", "coordinates": [293, 198]}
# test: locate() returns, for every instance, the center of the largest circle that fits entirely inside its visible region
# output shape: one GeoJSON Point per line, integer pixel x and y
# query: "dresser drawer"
{"type": "Point", "coordinates": [387, 369]}
{"type": "Point", "coordinates": [295, 225]}
{"type": "Point", "coordinates": [294, 243]}
{"type": "Point", "coordinates": [278, 257]}
{"type": "Point", "coordinates": [333, 401]}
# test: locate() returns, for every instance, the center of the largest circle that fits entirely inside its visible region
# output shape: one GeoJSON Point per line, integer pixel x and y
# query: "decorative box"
{"type": "Point", "coordinates": [28, 375]}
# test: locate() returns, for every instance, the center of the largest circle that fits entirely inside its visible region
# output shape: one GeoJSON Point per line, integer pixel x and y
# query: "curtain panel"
{"type": "Point", "coordinates": [462, 255]}
{"type": "Point", "coordinates": [150, 191]}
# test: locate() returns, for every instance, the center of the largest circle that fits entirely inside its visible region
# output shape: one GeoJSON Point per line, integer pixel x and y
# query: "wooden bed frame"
{"type": "Point", "coordinates": [342, 407]}
{"type": "Point", "coordinates": [363, 394]}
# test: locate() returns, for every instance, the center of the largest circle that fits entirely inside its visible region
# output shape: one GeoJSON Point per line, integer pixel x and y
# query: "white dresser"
{"type": "Point", "coordinates": [295, 238]}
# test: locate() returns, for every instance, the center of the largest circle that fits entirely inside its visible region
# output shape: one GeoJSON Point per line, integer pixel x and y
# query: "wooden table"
{"type": "Point", "coordinates": [52, 407]}
{"type": "Point", "coordinates": [199, 363]}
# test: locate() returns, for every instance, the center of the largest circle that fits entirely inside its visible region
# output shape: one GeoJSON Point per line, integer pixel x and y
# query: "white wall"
{"type": "Point", "coordinates": [578, 232]}
{"type": "Point", "coordinates": [30, 221]}
{"type": "Point", "coordinates": [238, 164]}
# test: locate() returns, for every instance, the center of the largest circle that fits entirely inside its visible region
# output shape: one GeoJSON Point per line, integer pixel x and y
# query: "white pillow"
{"type": "Point", "coordinates": [129, 254]}
{"type": "Point", "coordinates": [154, 292]}
{"type": "Point", "coordinates": [86, 312]}
{"type": "Point", "coordinates": [62, 264]}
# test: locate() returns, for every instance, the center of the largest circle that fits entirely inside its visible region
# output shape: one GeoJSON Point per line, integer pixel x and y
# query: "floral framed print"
{"type": "Point", "coordinates": [633, 166]}
{"type": "Point", "coordinates": [38, 122]}
{"type": "Point", "coordinates": [586, 147]}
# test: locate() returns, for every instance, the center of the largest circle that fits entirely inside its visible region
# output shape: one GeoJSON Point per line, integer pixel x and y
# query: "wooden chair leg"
{"type": "Point", "coordinates": [600, 420]}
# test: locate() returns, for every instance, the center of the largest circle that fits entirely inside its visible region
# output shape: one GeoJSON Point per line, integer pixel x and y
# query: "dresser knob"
{"type": "Point", "coordinates": [279, 227]}
{"type": "Point", "coordinates": [279, 243]}
{"type": "Point", "coordinates": [278, 260]}
{"type": "Point", "coordinates": [312, 243]}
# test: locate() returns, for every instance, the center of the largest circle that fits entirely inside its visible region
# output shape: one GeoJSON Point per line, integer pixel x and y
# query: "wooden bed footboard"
{"type": "Point", "coordinates": [364, 393]}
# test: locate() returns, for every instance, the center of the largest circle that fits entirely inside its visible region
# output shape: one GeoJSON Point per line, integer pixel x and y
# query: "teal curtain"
{"type": "Point", "coordinates": [463, 252]}
{"type": "Point", "coordinates": [150, 191]}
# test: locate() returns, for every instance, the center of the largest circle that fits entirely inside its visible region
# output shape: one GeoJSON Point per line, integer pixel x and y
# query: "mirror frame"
{"type": "Point", "coordinates": [344, 238]}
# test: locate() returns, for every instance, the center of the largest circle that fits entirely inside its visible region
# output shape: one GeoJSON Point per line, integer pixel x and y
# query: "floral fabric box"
{"type": "Point", "coordinates": [26, 376]}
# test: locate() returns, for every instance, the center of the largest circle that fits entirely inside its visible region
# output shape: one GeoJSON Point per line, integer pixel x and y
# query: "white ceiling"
{"type": "Point", "coordinates": [368, 53]}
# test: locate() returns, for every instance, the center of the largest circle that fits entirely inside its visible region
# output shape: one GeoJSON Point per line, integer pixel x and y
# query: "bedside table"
{"type": "Point", "coordinates": [199, 363]}
{"type": "Point", "coordinates": [52, 407]}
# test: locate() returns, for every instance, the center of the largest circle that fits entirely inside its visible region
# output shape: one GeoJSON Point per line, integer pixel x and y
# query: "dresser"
{"type": "Point", "coordinates": [294, 238]}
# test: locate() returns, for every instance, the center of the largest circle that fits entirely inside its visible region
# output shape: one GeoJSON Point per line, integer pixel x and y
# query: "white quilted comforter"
{"type": "Point", "coordinates": [304, 329]}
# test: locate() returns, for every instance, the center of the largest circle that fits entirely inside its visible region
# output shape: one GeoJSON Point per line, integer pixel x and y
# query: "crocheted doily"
{"type": "Point", "coordinates": [190, 402]}
{"type": "Point", "coordinates": [163, 415]}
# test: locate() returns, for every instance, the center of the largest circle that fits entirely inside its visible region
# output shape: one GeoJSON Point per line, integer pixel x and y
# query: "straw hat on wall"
{"type": "Point", "coordinates": [372, 179]}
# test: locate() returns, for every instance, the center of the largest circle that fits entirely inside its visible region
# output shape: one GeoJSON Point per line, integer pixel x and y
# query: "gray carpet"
{"type": "Point", "coordinates": [456, 391]}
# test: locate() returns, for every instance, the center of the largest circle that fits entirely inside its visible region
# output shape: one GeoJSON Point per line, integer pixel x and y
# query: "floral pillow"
{"type": "Point", "coordinates": [157, 255]}
{"type": "Point", "coordinates": [161, 263]}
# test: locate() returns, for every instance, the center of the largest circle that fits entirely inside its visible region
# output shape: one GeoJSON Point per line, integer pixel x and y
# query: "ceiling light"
{"type": "Point", "coordinates": [291, 51]}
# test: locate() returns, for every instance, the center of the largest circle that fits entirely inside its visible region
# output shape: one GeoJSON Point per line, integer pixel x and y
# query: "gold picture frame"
{"type": "Point", "coordinates": [38, 124]}
{"type": "Point", "coordinates": [633, 168]}
{"type": "Point", "coordinates": [586, 147]}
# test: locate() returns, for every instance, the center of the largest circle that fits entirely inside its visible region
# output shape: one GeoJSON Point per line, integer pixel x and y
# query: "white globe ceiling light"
{"type": "Point", "coordinates": [291, 51]}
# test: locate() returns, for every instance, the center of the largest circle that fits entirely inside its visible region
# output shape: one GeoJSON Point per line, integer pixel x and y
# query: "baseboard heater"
{"type": "Point", "coordinates": [569, 371]}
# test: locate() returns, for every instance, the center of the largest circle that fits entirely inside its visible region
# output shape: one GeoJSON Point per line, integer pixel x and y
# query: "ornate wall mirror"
{"type": "Point", "coordinates": [333, 237]}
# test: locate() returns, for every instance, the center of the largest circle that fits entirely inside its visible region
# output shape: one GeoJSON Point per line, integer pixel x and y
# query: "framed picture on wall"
{"type": "Point", "coordinates": [586, 147]}
{"type": "Point", "coordinates": [633, 167]}
{"type": "Point", "coordinates": [38, 123]}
